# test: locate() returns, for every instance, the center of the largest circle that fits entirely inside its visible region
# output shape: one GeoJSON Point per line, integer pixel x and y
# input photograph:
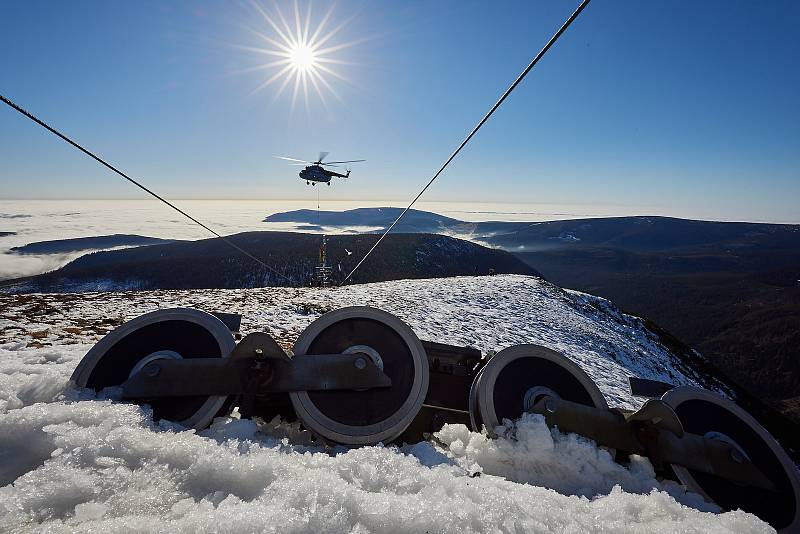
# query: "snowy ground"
{"type": "Point", "coordinates": [71, 463]}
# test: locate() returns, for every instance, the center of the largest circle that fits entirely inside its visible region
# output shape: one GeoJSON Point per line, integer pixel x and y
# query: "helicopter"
{"type": "Point", "coordinates": [315, 171]}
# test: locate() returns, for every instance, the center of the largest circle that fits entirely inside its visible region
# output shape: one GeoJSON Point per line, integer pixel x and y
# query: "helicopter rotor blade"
{"type": "Point", "coordinates": [329, 165]}
{"type": "Point", "coordinates": [293, 159]}
{"type": "Point", "coordinates": [322, 155]}
{"type": "Point", "coordinates": [349, 161]}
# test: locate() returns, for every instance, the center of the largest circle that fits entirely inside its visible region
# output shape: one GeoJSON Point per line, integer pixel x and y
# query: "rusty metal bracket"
{"type": "Point", "coordinates": [644, 387]}
{"type": "Point", "coordinates": [652, 432]}
{"type": "Point", "coordinates": [232, 320]}
{"type": "Point", "coordinates": [658, 413]}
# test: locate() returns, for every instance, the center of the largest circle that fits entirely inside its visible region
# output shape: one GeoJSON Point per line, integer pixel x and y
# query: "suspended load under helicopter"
{"type": "Point", "coordinates": [315, 171]}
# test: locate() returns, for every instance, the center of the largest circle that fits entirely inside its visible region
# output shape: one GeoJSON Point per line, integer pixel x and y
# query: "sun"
{"type": "Point", "coordinates": [303, 55]}
{"type": "Point", "coordinates": [303, 58]}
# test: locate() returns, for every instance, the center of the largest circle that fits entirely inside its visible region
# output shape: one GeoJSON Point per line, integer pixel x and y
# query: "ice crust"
{"type": "Point", "coordinates": [71, 462]}
{"type": "Point", "coordinates": [103, 466]}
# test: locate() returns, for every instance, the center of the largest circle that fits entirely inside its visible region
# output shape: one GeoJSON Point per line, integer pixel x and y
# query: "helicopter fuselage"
{"type": "Point", "coordinates": [316, 173]}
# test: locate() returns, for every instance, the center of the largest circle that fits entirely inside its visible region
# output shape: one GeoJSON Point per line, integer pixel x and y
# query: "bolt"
{"type": "Point", "coordinates": [360, 363]}
{"type": "Point", "coordinates": [152, 370]}
{"type": "Point", "coordinates": [259, 351]}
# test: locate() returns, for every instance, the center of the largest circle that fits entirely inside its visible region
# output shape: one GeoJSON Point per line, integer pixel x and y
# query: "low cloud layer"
{"type": "Point", "coordinates": [35, 221]}
{"type": "Point", "coordinates": [46, 220]}
{"type": "Point", "coordinates": [17, 265]}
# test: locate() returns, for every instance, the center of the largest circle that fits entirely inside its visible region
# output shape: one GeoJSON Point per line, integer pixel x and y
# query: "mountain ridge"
{"type": "Point", "coordinates": [79, 244]}
{"type": "Point", "coordinates": [729, 289]}
{"type": "Point", "coordinates": [291, 256]}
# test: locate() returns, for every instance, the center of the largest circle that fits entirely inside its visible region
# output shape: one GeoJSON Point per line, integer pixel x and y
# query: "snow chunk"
{"type": "Point", "coordinates": [529, 452]}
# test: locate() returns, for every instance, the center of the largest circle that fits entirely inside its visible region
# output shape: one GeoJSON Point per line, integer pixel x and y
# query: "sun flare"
{"type": "Point", "coordinates": [303, 54]}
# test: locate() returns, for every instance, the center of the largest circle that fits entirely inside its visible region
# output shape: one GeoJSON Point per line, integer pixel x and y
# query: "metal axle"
{"type": "Point", "coordinates": [651, 432]}
{"type": "Point", "coordinates": [257, 366]}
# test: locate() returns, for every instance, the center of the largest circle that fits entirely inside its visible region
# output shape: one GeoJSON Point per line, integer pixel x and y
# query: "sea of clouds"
{"type": "Point", "coordinates": [44, 220]}
{"type": "Point", "coordinates": [40, 220]}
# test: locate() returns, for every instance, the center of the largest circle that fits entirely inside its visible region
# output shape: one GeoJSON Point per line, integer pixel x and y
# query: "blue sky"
{"type": "Point", "coordinates": [663, 107]}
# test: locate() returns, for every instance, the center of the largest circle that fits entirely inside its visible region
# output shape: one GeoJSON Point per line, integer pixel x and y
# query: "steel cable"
{"type": "Point", "coordinates": [140, 186]}
{"type": "Point", "coordinates": [530, 66]}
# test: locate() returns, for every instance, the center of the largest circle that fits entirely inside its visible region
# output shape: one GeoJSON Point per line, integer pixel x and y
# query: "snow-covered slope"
{"type": "Point", "coordinates": [72, 463]}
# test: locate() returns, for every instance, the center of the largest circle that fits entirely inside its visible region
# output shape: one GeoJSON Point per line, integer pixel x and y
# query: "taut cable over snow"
{"type": "Point", "coordinates": [524, 73]}
{"type": "Point", "coordinates": [140, 186]}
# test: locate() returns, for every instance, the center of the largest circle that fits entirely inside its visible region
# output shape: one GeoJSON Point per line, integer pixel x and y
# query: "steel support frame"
{"type": "Point", "coordinates": [257, 366]}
